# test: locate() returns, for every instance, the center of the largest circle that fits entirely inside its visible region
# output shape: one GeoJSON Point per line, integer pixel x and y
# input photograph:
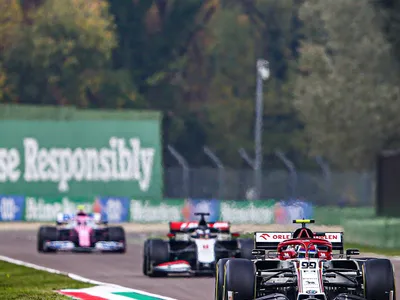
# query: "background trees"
{"type": "Point", "coordinates": [333, 90]}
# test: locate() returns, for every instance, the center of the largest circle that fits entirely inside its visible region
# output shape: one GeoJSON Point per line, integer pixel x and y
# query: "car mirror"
{"type": "Point", "coordinates": [352, 252]}
{"type": "Point", "coordinates": [258, 252]}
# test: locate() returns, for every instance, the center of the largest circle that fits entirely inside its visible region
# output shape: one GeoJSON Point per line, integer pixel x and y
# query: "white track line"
{"type": "Point", "coordinates": [76, 277]}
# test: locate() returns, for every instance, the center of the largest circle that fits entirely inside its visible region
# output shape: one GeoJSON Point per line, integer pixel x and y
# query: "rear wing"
{"type": "Point", "coordinates": [271, 240]}
{"type": "Point", "coordinates": [181, 227]}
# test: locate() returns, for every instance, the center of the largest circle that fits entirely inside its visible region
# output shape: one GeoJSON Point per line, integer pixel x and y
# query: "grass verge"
{"type": "Point", "coordinates": [370, 249]}
{"type": "Point", "coordinates": [20, 283]}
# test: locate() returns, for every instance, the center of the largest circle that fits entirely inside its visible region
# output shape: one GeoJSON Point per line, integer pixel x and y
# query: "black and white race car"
{"type": "Point", "coordinates": [302, 266]}
{"type": "Point", "coordinates": [193, 248]}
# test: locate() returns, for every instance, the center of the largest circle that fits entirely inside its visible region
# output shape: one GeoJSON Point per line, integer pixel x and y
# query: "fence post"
{"type": "Point", "coordinates": [326, 170]}
{"type": "Point", "coordinates": [221, 170]}
{"type": "Point", "coordinates": [185, 169]}
{"type": "Point", "coordinates": [292, 170]}
{"type": "Point", "coordinates": [257, 172]}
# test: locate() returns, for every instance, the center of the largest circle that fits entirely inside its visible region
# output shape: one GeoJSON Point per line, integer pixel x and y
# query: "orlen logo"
{"type": "Point", "coordinates": [265, 236]}
{"type": "Point", "coordinates": [205, 246]}
{"type": "Point", "coordinates": [275, 236]}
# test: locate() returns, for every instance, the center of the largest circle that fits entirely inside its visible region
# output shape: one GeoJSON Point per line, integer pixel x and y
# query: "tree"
{"type": "Point", "coordinates": [62, 55]}
{"type": "Point", "coordinates": [10, 19]}
{"type": "Point", "coordinates": [347, 90]}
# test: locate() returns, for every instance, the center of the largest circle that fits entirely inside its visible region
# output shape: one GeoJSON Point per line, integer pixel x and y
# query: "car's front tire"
{"type": "Point", "coordinates": [156, 252]}
{"type": "Point", "coordinates": [379, 281]}
{"type": "Point", "coordinates": [46, 233]}
{"type": "Point", "coordinates": [239, 279]}
{"type": "Point", "coordinates": [219, 278]}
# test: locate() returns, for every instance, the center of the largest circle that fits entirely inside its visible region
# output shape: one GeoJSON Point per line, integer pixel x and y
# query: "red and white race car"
{"type": "Point", "coordinates": [193, 248]}
{"type": "Point", "coordinates": [303, 266]}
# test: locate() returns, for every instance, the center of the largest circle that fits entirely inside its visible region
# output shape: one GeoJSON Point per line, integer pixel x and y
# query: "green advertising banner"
{"type": "Point", "coordinates": [251, 212]}
{"type": "Point", "coordinates": [38, 209]}
{"type": "Point", "coordinates": [156, 211]}
{"type": "Point", "coordinates": [81, 158]}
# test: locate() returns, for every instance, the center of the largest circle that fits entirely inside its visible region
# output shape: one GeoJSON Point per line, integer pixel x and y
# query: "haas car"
{"type": "Point", "coordinates": [193, 248]}
{"type": "Point", "coordinates": [81, 233]}
{"type": "Point", "coordinates": [304, 265]}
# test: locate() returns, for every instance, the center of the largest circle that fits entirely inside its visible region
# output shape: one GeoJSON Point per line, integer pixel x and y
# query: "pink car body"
{"type": "Point", "coordinates": [84, 231]}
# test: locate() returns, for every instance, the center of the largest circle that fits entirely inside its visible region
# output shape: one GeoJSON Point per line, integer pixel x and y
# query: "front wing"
{"type": "Point", "coordinates": [183, 267]}
{"type": "Point", "coordinates": [67, 246]}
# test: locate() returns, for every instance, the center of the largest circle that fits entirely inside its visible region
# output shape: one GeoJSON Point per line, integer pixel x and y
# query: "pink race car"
{"type": "Point", "coordinates": [81, 233]}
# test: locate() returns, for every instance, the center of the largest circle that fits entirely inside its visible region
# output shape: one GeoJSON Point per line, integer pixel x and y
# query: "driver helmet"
{"type": "Point", "coordinates": [312, 251]}
{"type": "Point", "coordinates": [202, 233]}
{"type": "Point", "coordinates": [81, 210]}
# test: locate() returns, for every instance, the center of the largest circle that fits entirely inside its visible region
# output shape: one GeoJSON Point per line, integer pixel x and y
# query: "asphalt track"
{"type": "Point", "coordinates": [125, 269]}
{"type": "Point", "coordinates": [122, 269]}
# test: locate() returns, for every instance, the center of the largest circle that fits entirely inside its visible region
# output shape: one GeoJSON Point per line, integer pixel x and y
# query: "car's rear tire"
{"type": "Point", "coordinates": [239, 279]}
{"type": "Point", "coordinates": [157, 253]}
{"type": "Point", "coordinates": [219, 278]}
{"type": "Point", "coordinates": [379, 281]}
{"type": "Point", "coordinates": [117, 234]}
{"type": "Point", "coordinates": [246, 247]}
{"type": "Point", "coordinates": [46, 233]}
{"type": "Point", "coordinates": [145, 265]}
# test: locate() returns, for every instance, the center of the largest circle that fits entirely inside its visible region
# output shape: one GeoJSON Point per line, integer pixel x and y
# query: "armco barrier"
{"type": "Point", "coordinates": [377, 232]}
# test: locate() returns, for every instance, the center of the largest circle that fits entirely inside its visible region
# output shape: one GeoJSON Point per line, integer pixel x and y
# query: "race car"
{"type": "Point", "coordinates": [81, 233]}
{"type": "Point", "coordinates": [304, 265]}
{"type": "Point", "coordinates": [193, 248]}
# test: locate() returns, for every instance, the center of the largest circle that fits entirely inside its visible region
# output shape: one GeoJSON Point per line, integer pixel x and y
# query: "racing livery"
{"type": "Point", "coordinates": [81, 233]}
{"type": "Point", "coordinates": [193, 248]}
{"type": "Point", "coordinates": [304, 265]}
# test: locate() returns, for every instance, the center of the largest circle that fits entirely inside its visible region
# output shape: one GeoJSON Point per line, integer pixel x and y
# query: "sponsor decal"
{"type": "Point", "coordinates": [272, 236]}
{"type": "Point", "coordinates": [311, 292]}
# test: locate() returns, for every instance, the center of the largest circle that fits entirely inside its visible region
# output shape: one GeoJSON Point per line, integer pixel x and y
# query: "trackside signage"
{"type": "Point", "coordinates": [156, 210]}
{"type": "Point", "coordinates": [80, 158]}
{"type": "Point", "coordinates": [257, 212]}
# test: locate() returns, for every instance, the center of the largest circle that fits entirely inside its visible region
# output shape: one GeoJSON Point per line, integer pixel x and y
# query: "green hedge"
{"type": "Point", "coordinates": [333, 215]}
{"type": "Point", "coordinates": [377, 232]}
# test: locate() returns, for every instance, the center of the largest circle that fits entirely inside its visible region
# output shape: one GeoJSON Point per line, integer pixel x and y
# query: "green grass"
{"type": "Point", "coordinates": [370, 249]}
{"type": "Point", "coordinates": [19, 283]}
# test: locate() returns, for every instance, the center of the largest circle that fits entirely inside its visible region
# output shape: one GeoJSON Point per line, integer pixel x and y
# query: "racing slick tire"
{"type": "Point", "coordinates": [379, 281]}
{"type": "Point", "coordinates": [46, 233]}
{"type": "Point", "coordinates": [156, 252]}
{"type": "Point", "coordinates": [239, 279]}
{"type": "Point", "coordinates": [246, 247]}
{"type": "Point", "coordinates": [219, 278]}
{"type": "Point", "coordinates": [117, 234]}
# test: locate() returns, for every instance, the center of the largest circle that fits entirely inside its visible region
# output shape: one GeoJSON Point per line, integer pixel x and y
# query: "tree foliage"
{"type": "Point", "coordinates": [61, 56]}
{"type": "Point", "coordinates": [348, 90]}
{"type": "Point", "coordinates": [192, 59]}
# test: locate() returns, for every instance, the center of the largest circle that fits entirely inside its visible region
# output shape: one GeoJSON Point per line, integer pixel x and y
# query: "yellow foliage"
{"type": "Point", "coordinates": [10, 17]}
